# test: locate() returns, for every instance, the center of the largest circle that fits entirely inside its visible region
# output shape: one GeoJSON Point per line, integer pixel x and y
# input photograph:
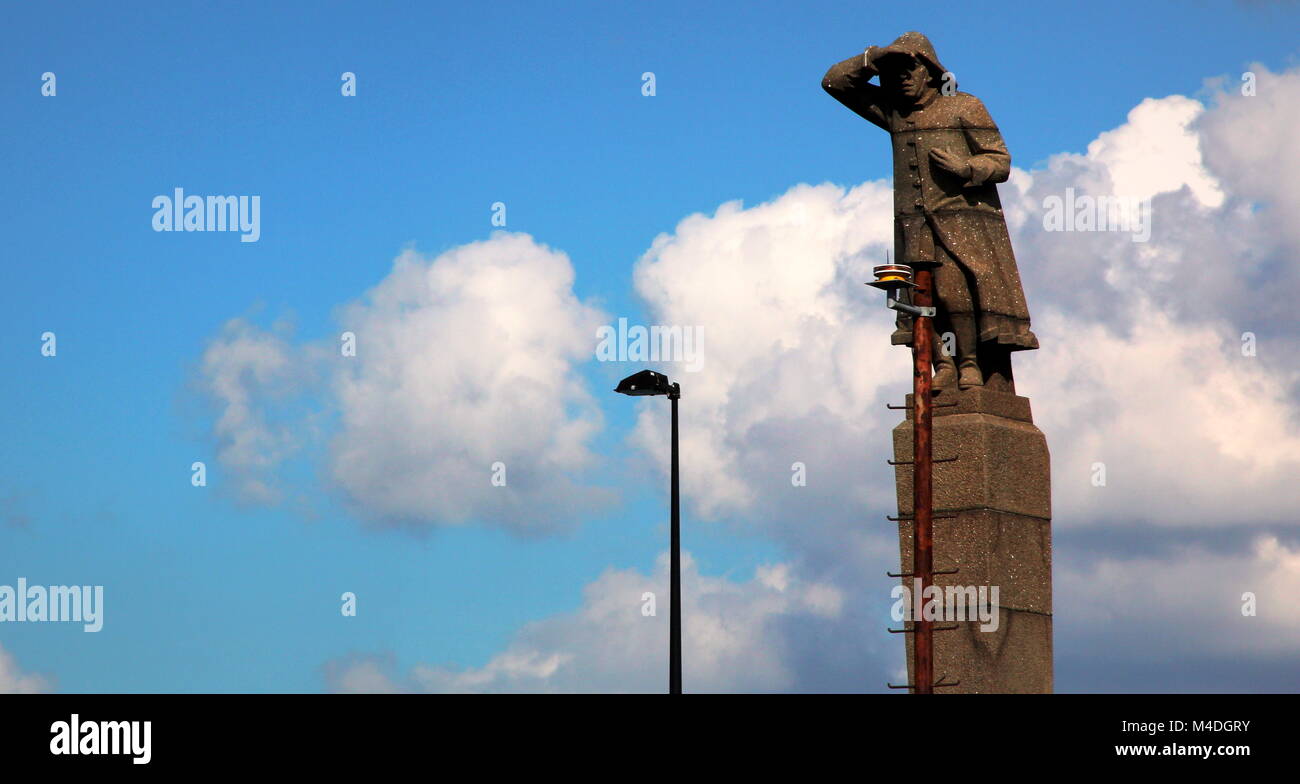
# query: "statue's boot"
{"type": "Point", "coordinates": [969, 374]}
{"type": "Point", "coordinates": [945, 372]}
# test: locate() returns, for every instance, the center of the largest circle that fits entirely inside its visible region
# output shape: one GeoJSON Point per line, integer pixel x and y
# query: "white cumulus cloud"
{"type": "Point", "coordinates": [737, 636]}
{"type": "Point", "coordinates": [244, 371]}
{"type": "Point", "coordinates": [465, 361]}
{"type": "Point", "coordinates": [13, 680]}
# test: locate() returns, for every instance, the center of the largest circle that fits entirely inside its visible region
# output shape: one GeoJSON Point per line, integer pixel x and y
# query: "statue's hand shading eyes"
{"type": "Point", "coordinates": [950, 163]}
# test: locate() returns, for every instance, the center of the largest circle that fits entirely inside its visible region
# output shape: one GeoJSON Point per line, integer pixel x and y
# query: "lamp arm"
{"type": "Point", "coordinates": [925, 311]}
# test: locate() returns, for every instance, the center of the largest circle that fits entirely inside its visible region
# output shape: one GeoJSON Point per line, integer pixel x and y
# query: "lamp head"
{"type": "Point", "coordinates": [647, 382]}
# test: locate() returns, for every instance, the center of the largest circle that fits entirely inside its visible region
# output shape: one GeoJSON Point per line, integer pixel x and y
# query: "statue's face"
{"type": "Point", "coordinates": [906, 77]}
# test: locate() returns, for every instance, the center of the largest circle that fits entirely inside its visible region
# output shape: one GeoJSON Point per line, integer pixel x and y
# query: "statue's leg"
{"type": "Point", "coordinates": [967, 350]}
{"type": "Point", "coordinates": [956, 309]}
{"type": "Point", "coordinates": [968, 366]}
{"type": "Point", "coordinates": [945, 369]}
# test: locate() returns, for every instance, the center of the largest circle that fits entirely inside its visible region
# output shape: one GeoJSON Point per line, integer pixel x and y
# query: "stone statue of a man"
{"type": "Point", "coordinates": [948, 155]}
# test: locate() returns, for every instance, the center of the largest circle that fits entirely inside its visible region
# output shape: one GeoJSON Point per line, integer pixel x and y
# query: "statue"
{"type": "Point", "coordinates": [948, 157]}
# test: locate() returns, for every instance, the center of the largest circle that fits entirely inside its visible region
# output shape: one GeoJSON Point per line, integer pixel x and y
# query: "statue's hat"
{"type": "Point", "coordinates": [918, 46]}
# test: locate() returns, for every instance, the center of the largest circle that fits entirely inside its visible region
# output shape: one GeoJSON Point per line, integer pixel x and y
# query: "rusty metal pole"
{"type": "Point", "coordinates": [922, 479]}
{"type": "Point", "coordinates": [675, 621]}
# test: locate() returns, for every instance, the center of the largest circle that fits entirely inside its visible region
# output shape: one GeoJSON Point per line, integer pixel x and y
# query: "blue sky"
{"type": "Point", "coordinates": [458, 106]}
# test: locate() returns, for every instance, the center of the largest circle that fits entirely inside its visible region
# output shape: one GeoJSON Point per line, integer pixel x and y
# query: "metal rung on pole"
{"type": "Point", "coordinates": [901, 518]}
{"type": "Point", "coordinates": [909, 574]}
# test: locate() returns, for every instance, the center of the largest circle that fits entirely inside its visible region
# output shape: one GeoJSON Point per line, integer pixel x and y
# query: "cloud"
{"type": "Point", "coordinates": [1249, 144]}
{"type": "Point", "coordinates": [1156, 151]}
{"type": "Point", "coordinates": [1219, 246]}
{"type": "Point", "coordinates": [14, 681]}
{"type": "Point", "coordinates": [362, 674]}
{"type": "Point", "coordinates": [244, 370]}
{"type": "Point", "coordinates": [1145, 365]}
{"type": "Point", "coordinates": [738, 636]}
{"type": "Point", "coordinates": [465, 371]}
{"type": "Point", "coordinates": [464, 361]}
{"type": "Point", "coordinates": [797, 354]}
{"type": "Point", "coordinates": [1190, 433]}
{"type": "Point", "coordinates": [1190, 601]}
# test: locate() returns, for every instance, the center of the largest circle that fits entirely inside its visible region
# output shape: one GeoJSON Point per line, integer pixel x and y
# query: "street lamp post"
{"type": "Point", "coordinates": [648, 382]}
